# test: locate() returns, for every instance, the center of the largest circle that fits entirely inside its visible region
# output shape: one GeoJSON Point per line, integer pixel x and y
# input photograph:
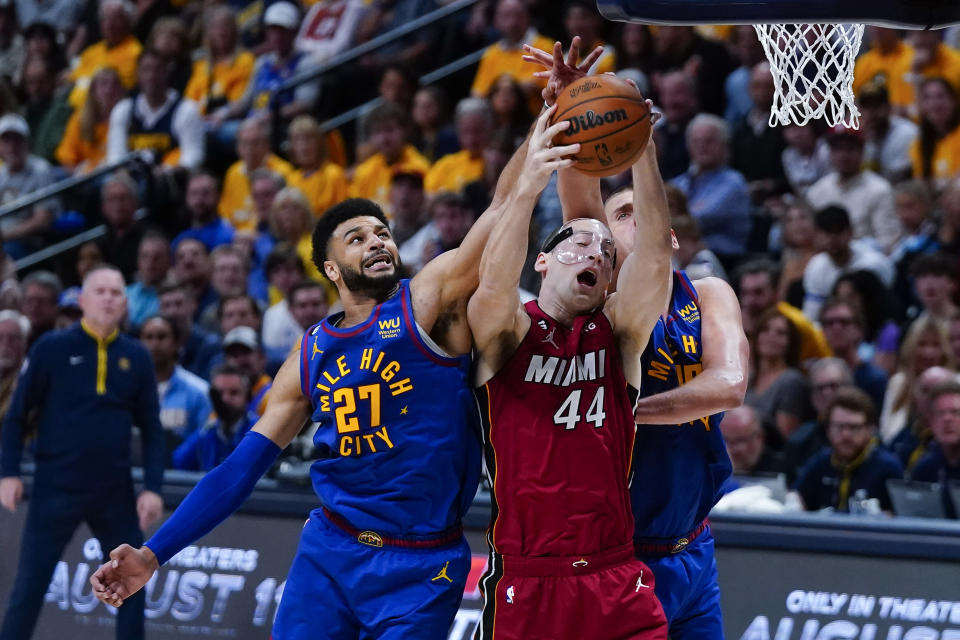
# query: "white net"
{"type": "Point", "coordinates": [812, 67]}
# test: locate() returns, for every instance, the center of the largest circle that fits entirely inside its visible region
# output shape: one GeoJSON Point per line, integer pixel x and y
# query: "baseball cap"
{"type": "Point", "coordinates": [874, 94]}
{"type": "Point", "coordinates": [244, 336]}
{"type": "Point", "coordinates": [409, 175]}
{"type": "Point", "coordinates": [13, 123]}
{"type": "Point", "coordinates": [282, 14]}
{"type": "Point", "coordinates": [840, 132]}
{"type": "Point", "coordinates": [69, 298]}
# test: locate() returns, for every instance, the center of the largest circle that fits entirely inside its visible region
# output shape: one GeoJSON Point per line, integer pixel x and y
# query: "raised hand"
{"type": "Point", "coordinates": [542, 157]}
{"type": "Point", "coordinates": [560, 73]}
{"type": "Point", "coordinates": [124, 574]}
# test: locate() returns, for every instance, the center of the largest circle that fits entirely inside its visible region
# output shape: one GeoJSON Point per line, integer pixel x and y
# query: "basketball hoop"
{"type": "Point", "coordinates": [811, 44]}
{"type": "Point", "coordinates": [812, 67]}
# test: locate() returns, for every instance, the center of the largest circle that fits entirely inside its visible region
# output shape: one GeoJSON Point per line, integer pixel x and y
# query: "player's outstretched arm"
{"type": "Point", "coordinates": [451, 277]}
{"type": "Point", "coordinates": [579, 193]}
{"type": "Point", "coordinates": [216, 496]}
{"type": "Point", "coordinates": [723, 381]}
{"type": "Point", "coordinates": [643, 283]}
{"type": "Point", "coordinates": [495, 314]}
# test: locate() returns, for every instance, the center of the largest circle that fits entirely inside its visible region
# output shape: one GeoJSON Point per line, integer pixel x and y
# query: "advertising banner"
{"type": "Point", "coordinates": [785, 595]}
{"type": "Point", "coordinates": [229, 584]}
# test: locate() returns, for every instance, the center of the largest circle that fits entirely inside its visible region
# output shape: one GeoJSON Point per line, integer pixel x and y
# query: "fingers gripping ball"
{"type": "Point", "coordinates": [610, 120]}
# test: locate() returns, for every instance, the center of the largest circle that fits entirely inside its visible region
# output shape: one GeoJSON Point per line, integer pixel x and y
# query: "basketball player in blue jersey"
{"type": "Point", "coordinates": [386, 380]}
{"type": "Point", "coordinates": [694, 368]}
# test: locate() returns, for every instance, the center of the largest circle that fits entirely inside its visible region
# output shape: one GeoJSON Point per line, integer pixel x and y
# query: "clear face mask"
{"type": "Point", "coordinates": [581, 246]}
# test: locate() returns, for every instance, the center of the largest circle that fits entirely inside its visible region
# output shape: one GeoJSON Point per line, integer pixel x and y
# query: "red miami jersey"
{"type": "Point", "coordinates": [558, 439]}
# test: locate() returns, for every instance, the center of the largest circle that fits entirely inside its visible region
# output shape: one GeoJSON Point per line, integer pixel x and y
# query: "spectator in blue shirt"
{"type": "Point", "coordinates": [243, 349]}
{"type": "Point", "coordinates": [208, 447]}
{"type": "Point", "coordinates": [200, 348]}
{"type": "Point", "coordinates": [718, 197]}
{"type": "Point", "coordinates": [855, 466]}
{"type": "Point", "coordinates": [228, 278]}
{"type": "Point", "coordinates": [184, 397]}
{"type": "Point", "coordinates": [206, 225]}
{"type": "Point", "coordinates": [153, 264]}
{"type": "Point", "coordinates": [942, 462]}
{"type": "Point", "coordinates": [844, 327]}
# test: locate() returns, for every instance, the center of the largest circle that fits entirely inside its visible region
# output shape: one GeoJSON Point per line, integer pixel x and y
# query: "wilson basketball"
{"type": "Point", "coordinates": [609, 119]}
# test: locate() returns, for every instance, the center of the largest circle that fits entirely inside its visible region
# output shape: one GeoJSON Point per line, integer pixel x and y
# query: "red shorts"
{"type": "Point", "coordinates": [607, 596]}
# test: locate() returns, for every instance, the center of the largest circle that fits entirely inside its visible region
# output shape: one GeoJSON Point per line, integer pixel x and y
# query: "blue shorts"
{"type": "Point", "coordinates": [339, 588]}
{"type": "Point", "coordinates": [687, 587]}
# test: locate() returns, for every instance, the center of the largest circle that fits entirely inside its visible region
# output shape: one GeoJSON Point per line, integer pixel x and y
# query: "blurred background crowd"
{"type": "Point", "coordinates": [203, 138]}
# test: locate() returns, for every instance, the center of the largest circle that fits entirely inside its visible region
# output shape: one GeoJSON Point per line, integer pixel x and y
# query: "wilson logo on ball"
{"type": "Point", "coordinates": [592, 119]}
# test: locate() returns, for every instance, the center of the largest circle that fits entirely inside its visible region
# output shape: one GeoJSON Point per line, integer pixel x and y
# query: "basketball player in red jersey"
{"type": "Point", "coordinates": [552, 388]}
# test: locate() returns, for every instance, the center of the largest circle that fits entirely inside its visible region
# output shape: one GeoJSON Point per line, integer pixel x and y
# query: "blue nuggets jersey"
{"type": "Point", "coordinates": [679, 469]}
{"type": "Point", "coordinates": [397, 439]}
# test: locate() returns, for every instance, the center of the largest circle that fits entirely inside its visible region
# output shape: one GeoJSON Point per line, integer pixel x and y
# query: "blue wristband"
{"type": "Point", "coordinates": [216, 496]}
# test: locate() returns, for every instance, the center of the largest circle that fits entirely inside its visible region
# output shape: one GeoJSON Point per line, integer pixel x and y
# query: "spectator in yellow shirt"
{"type": "Point", "coordinates": [474, 122]}
{"type": "Point", "coordinates": [580, 18]}
{"type": "Point", "coordinates": [936, 153]}
{"type": "Point", "coordinates": [321, 181]}
{"type": "Point", "coordinates": [931, 58]}
{"type": "Point", "coordinates": [253, 148]}
{"type": "Point", "coordinates": [505, 56]}
{"type": "Point", "coordinates": [291, 221]}
{"type": "Point", "coordinates": [223, 72]}
{"type": "Point", "coordinates": [888, 57]}
{"type": "Point", "coordinates": [84, 144]}
{"type": "Point", "coordinates": [388, 131]}
{"type": "Point", "coordinates": [118, 49]}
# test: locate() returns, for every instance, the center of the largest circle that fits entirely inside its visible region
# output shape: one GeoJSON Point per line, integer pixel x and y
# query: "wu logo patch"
{"type": "Point", "coordinates": [443, 574]}
{"type": "Point", "coordinates": [389, 328]}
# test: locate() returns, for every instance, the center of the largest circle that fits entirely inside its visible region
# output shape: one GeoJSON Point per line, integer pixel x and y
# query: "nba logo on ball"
{"type": "Point", "coordinates": [610, 120]}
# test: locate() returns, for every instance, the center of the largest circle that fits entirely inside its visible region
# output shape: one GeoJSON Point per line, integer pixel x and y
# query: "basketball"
{"type": "Point", "coordinates": [610, 120]}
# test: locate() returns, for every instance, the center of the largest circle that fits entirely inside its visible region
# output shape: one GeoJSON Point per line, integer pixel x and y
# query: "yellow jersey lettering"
{"type": "Point", "coordinates": [389, 371]}
{"type": "Point", "coordinates": [359, 445]}
{"type": "Point", "coordinates": [665, 355]}
{"type": "Point", "coordinates": [365, 358]}
{"type": "Point", "coordinates": [401, 386]}
{"type": "Point", "coordinates": [329, 379]}
{"type": "Point", "coordinates": [325, 403]}
{"type": "Point", "coordinates": [706, 422]}
{"type": "Point", "coordinates": [659, 370]}
{"type": "Point", "coordinates": [342, 366]}
{"type": "Point", "coordinates": [383, 435]}
{"type": "Point", "coordinates": [345, 421]}
{"type": "Point", "coordinates": [323, 387]}
{"type": "Point", "coordinates": [691, 371]}
{"type": "Point", "coordinates": [392, 323]}
{"type": "Point", "coordinates": [376, 365]}
{"type": "Point", "coordinates": [160, 142]}
{"type": "Point", "coordinates": [689, 344]}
